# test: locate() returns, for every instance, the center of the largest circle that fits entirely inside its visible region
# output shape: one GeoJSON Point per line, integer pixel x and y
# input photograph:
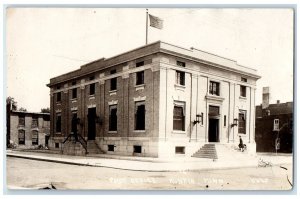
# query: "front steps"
{"type": "Point", "coordinates": [93, 148]}
{"type": "Point", "coordinates": [207, 151]}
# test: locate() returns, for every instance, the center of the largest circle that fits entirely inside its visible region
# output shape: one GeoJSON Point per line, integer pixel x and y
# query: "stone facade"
{"type": "Point", "coordinates": [34, 126]}
{"type": "Point", "coordinates": [174, 78]}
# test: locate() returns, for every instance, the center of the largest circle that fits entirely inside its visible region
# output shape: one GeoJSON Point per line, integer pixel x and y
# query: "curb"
{"type": "Point", "coordinates": [111, 167]}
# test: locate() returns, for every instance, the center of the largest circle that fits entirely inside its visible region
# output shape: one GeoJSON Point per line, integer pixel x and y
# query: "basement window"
{"type": "Point", "coordinates": [110, 147]}
{"type": "Point", "coordinates": [137, 149]}
{"type": "Point", "coordinates": [179, 150]}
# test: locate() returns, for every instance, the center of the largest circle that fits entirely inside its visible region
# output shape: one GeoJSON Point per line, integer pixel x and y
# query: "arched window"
{"type": "Point", "coordinates": [21, 137]}
{"type": "Point", "coordinates": [35, 137]}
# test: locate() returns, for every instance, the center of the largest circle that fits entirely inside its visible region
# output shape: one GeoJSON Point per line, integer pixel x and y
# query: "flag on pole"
{"type": "Point", "coordinates": [156, 22]}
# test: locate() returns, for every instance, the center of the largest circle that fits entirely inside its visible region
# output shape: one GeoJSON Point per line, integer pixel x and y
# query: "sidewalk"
{"type": "Point", "coordinates": [154, 164]}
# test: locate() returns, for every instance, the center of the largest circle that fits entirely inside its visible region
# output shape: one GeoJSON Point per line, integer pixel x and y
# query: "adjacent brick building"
{"type": "Point", "coordinates": [159, 100]}
{"type": "Point", "coordinates": [274, 125]}
{"type": "Point", "coordinates": [28, 129]}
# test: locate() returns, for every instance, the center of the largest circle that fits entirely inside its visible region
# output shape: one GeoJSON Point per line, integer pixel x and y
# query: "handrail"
{"type": "Point", "coordinates": [83, 144]}
{"type": "Point", "coordinates": [80, 139]}
{"type": "Point", "coordinates": [67, 138]}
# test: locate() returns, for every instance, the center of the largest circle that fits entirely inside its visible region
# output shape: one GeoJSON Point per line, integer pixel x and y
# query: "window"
{"type": "Point", "coordinates": [180, 63]}
{"type": "Point", "coordinates": [276, 125]}
{"type": "Point", "coordinates": [35, 137]}
{"type": "Point", "coordinates": [140, 115]}
{"type": "Point", "coordinates": [140, 78]}
{"type": "Point", "coordinates": [58, 123]}
{"type": "Point", "coordinates": [57, 87]}
{"type": "Point", "coordinates": [140, 75]}
{"type": "Point", "coordinates": [214, 88]}
{"type": "Point", "coordinates": [179, 150]}
{"type": "Point", "coordinates": [243, 91]}
{"type": "Point", "coordinates": [179, 117]}
{"type": "Point", "coordinates": [92, 78]}
{"type": "Point", "coordinates": [180, 78]}
{"type": "Point", "coordinates": [34, 122]}
{"type": "Point", "coordinates": [141, 63]}
{"type": "Point", "coordinates": [74, 122]}
{"type": "Point", "coordinates": [243, 79]}
{"type": "Point", "coordinates": [92, 89]}
{"type": "Point", "coordinates": [56, 145]}
{"type": "Point", "coordinates": [58, 97]}
{"type": "Point", "coordinates": [113, 81]}
{"type": "Point", "coordinates": [242, 122]}
{"type": "Point", "coordinates": [224, 120]}
{"type": "Point", "coordinates": [22, 120]}
{"type": "Point", "coordinates": [113, 119]}
{"type": "Point", "coordinates": [137, 149]}
{"type": "Point", "coordinates": [73, 83]}
{"type": "Point", "coordinates": [110, 147]}
{"type": "Point", "coordinates": [21, 136]}
{"type": "Point", "coordinates": [74, 93]}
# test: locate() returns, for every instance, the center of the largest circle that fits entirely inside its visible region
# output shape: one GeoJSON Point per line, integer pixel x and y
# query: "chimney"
{"type": "Point", "coordinates": [265, 97]}
{"type": "Point", "coordinates": [278, 101]}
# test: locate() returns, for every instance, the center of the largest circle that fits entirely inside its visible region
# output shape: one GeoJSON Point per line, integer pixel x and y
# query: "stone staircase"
{"type": "Point", "coordinates": [207, 151]}
{"type": "Point", "coordinates": [93, 148]}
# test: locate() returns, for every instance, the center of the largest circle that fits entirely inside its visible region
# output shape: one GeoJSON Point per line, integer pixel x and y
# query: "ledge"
{"type": "Point", "coordinates": [58, 103]}
{"type": "Point", "coordinates": [112, 92]}
{"type": "Point", "coordinates": [179, 87]}
{"type": "Point", "coordinates": [178, 132]}
{"type": "Point", "coordinates": [139, 87]}
{"type": "Point", "coordinates": [92, 97]}
{"type": "Point", "coordinates": [214, 97]}
{"type": "Point", "coordinates": [113, 132]}
{"type": "Point", "coordinates": [243, 98]}
{"type": "Point", "coordinates": [139, 131]}
{"type": "Point", "coordinates": [74, 100]}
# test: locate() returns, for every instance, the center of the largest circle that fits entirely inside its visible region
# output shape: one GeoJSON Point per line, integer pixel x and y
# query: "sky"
{"type": "Point", "coordinates": [42, 43]}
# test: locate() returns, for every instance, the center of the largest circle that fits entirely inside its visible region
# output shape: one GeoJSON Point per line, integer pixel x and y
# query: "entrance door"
{"type": "Point", "coordinates": [213, 130]}
{"type": "Point", "coordinates": [91, 123]}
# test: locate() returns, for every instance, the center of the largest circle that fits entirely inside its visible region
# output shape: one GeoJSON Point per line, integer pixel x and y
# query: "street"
{"type": "Point", "coordinates": [24, 173]}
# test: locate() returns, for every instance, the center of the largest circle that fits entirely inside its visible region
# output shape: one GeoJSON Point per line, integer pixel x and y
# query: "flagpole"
{"type": "Point", "coordinates": [146, 26]}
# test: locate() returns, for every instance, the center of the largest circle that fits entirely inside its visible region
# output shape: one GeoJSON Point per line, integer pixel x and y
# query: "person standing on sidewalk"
{"type": "Point", "coordinates": [241, 145]}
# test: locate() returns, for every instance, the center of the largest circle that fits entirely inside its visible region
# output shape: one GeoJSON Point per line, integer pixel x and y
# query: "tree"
{"type": "Point", "coordinates": [10, 101]}
{"type": "Point", "coordinates": [45, 110]}
{"type": "Point", "coordinates": [22, 109]}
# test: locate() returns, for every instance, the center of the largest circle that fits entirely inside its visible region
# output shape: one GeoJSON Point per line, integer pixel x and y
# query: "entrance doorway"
{"type": "Point", "coordinates": [91, 123]}
{"type": "Point", "coordinates": [213, 130]}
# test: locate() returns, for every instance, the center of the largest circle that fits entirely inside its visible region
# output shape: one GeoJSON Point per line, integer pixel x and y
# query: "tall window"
{"type": "Point", "coordinates": [92, 89]}
{"type": "Point", "coordinates": [140, 78]}
{"type": "Point", "coordinates": [58, 97]}
{"type": "Point", "coordinates": [74, 122]}
{"type": "Point", "coordinates": [140, 75]}
{"type": "Point", "coordinates": [140, 115]}
{"type": "Point", "coordinates": [113, 119]}
{"type": "Point", "coordinates": [180, 78]}
{"type": "Point", "coordinates": [214, 88]}
{"type": "Point", "coordinates": [21, 136]}
{"type": "Point", "coordinates": [35, 137]}
{"type": "Point", "coordinates": [22, 120]}
{"type": "Point", "coordinates": [243, 91]}
{"type": "Point", "coordinates": [74, 93]}
{"type": "Point", "coordinates": [34, 122]}
{"type": "Point", "coordinates": [179, 117]}
{"type": "Point", "coordinates": [113, 81]}
{"type": "Point", "coordinates": [58, 123]}
{"type": "Point", "coordinates": [242, 122]}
